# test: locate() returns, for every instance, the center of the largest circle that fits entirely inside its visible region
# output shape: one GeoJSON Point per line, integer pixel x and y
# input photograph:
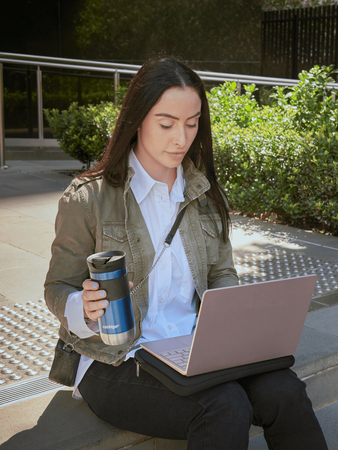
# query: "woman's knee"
{"type": "Point", "coordinates": [275, 392]}
{"type": "Point", "coordinates": [228, 402]}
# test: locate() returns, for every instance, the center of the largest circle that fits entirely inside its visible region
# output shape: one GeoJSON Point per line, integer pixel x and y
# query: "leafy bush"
{"type": "Point", "coordinates": [282, 158]}
{"type": "Point", "coordinates": [83, 131]}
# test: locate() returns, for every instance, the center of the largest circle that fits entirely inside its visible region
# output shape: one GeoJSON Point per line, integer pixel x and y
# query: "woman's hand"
{"type": "Point", "coordinates": [93, 299]}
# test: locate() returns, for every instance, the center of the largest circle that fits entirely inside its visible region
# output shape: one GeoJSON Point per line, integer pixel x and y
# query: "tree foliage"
{"type": "Point", "coordinates": [273, 5]}
{"type": "Point", "coordinates": [138, 29]}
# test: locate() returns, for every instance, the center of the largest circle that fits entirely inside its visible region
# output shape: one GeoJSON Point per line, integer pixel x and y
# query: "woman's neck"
{"type": "Point", "coordinates": [159, 172]}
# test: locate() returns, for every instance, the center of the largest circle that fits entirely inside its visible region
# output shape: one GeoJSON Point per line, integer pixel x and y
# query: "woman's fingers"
{"type": "Point", "coordinates": [94, 309]}
{"type": "Point", "coordinates": [93, 299]}
{"type": "Point", "coordinates": [90, 285]}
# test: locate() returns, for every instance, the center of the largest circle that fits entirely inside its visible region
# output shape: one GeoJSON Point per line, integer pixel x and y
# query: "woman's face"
{"type": "Point", "coordinates": [168, 131]}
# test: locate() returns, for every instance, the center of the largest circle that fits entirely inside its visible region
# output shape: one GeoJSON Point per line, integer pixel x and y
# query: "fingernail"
{"type": "Point", "coordinates": [100, 312]}
{"type": "Point", "coordinates": [102, 294]}
{"type": "Point", "coordinates": [105, 303]}
{"type": "Point", "coordinates": [95, 285]}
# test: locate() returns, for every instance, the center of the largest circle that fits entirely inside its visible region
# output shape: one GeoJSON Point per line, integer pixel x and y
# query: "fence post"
{"type": "Point", "coordinates": [239, 88]}
{"type": "Point", "coordinates": [295, 26]}
{"type": "Point", "coordinates": [116, 83]}
{"type": "Point", "coordinates": [40, 102]}
{"type": "Point", "coordinates": [2, 121]}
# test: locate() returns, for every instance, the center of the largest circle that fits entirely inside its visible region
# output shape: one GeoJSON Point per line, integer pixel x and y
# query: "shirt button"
{"type": "Point", "coordinates": [170, 327]}
{"type": "Point", "coordinates": [163, 267]}
{"type": "Point", "coordinates": [161, 300]}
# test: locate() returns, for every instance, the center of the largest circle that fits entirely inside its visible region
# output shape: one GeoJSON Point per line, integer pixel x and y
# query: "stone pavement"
{"type": "Point", "coordinates": [29, 192]}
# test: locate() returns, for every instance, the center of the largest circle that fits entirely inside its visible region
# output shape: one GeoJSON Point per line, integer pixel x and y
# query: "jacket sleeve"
{"type": "Point", "coordinates": [223, 273]}
{"type": "Point", "coordinates": [74, 241]}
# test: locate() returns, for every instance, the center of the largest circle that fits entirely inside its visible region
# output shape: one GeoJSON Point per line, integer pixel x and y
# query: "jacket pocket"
{"type": "Point", "coordinates": [211, 236]}
{"type": "Point", "coordinates": [114, 237]}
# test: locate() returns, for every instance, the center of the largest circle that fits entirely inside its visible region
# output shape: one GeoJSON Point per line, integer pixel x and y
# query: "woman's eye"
{"type": "Point", "coordinates": [165, 126]}
{"type": "Point", "coordinates": [192, 126]}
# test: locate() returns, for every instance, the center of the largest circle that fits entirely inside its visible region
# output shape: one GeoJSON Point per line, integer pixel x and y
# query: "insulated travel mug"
{"type": "Point", "coordinates": [117, 326]}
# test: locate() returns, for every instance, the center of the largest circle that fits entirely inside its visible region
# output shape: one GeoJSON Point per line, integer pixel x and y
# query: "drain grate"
{"type": "Point", "coordinates": [27, 389]}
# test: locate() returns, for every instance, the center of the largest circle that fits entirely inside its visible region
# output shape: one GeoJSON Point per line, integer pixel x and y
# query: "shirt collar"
{"type": "Point", "coordinates": [142, 183]}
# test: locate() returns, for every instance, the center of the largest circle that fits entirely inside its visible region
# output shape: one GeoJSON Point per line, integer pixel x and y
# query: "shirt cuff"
{"type": "Point", "coordinates": [75, 318]}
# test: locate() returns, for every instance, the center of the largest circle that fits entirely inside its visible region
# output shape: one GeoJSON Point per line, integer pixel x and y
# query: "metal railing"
{"type": "Point", "coordinates": [115, 69]}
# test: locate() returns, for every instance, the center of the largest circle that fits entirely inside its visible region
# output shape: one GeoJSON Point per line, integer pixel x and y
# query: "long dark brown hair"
{"type": "Point", "coordinates": [151, 81]}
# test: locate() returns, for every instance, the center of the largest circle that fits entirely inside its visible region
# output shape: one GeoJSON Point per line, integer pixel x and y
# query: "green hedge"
{"type": "Point", "coordinates": [83, 131]}
{"type": "Point", "coordinates": [282, 158]}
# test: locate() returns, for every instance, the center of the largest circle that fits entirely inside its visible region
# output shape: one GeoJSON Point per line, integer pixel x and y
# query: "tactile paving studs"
{"type": "Point", "coordinates": [22, 366]}
{"type": "Point", "coordinates": [14, 361]}
{"type": "Point", "coordinates": [13, 347]}
{"type": "Point", "coordinates": [37, 362]}
{"type": "Point", "coordinates": [12, 334]}
{"type": "Point", "coordinates": [276, 264]}
{"type": "Point", "coordinates": [23, 338]}
{"type": "Point", "coordinates": [15, 377]}
{"type": "Point", "coordinates": [36, 348]}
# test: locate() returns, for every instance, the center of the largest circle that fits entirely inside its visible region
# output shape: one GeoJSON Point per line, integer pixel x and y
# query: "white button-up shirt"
{"type": "Point", "coordinates": [171, 288]}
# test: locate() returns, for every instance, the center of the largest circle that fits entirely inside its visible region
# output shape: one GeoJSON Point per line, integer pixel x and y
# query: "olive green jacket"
{"type": "Point", "coordinates": [94, 217]}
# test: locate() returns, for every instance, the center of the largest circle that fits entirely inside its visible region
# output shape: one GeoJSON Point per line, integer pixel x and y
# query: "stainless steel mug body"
{"type": "Point", "coordinates": [117, 325]}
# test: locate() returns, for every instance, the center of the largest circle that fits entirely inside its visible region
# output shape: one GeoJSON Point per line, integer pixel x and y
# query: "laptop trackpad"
{"type": "Point", "coordinates": [165, 345]}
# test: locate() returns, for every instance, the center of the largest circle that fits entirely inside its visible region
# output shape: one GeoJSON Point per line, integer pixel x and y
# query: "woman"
{"type": "Point", "coordinates": [159, 160]}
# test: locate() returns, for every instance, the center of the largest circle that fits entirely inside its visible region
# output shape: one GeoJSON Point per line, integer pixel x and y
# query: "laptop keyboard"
{"type": "Point", "coordinates": [179, 357]}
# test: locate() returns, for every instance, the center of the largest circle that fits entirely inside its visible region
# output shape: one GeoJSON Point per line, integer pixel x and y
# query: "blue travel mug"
{"type": "Point", "coordinates": [117, 325]}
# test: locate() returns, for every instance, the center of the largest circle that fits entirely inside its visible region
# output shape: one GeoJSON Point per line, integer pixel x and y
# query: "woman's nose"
{"type": "Point", "coordinates": [181, 138]}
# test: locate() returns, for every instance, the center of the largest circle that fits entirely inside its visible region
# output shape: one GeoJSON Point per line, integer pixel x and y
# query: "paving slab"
{"type": "Point", "coordinates": [310, 242]}
{"type": "Point", "coordinates": [39, 166]}
{"type": "Point", "coordinates": [316, 351]}
{"type": "Point", "coordinates": [325, 320]}
{"type": "Point", "coordinates": [22, 283]}
{"type": "Point", "coordinates": [26, 233]}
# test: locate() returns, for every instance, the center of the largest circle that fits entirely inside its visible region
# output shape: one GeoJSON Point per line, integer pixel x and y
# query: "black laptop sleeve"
{"type": "Point", "coordinates": [182, 385]}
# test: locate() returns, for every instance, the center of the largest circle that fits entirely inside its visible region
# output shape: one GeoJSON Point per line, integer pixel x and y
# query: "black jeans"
{"type": "Point", "coordinates": [217, 418]}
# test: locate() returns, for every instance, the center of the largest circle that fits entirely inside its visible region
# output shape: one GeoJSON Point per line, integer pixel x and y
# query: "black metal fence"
{"type": "Point", "coordinates": [296, 40]}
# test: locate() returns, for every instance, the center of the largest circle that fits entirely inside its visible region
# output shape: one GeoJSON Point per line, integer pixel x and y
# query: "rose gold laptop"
{"type": "Point", "coordinates": [241, 325]}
